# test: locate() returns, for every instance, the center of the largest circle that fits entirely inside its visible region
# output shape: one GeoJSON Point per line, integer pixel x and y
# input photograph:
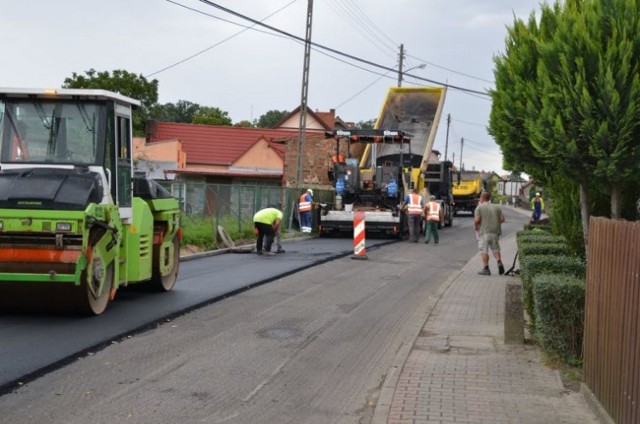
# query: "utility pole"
{"type": "Point", "coordinates": [305, 92]}
{"type": "Point", "coordinates": [400, 65]}
{"type": "Point", "coordinates": [446, 141]}
{"type": "Point", "coordinates": [461, 146]}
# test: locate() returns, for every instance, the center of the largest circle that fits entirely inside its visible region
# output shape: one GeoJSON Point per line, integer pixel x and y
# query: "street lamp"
{"type": "Point", "coordinates": [401, 73]}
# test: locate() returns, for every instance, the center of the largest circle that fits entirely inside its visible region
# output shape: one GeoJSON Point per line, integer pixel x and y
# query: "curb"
{"type": "Point", "coordinates": [231, 249]}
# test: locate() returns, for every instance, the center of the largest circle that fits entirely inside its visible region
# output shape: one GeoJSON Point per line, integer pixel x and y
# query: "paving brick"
{"type": "Point", "coordinates": [460, 371]}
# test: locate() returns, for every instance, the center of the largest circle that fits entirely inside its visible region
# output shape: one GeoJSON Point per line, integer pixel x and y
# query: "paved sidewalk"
{"type": "Point", "coordinates": [460, 371]}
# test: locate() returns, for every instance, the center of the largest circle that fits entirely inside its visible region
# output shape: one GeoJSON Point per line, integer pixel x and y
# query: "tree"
{"type": "Point", "coordinates": [366, 125]}
{"type": "Point", "coordinates": [182, 112]}
{"type": "Point", "coordinates": [211, 116]}
{"type": "Point", "coordinates": [125, 83]}
{"type": "Point", "coordinates": [567, 99]}
{"type": "Point", "coordinates": [271, 118]}
{"type": "Point", "coordinates": [245, 124]}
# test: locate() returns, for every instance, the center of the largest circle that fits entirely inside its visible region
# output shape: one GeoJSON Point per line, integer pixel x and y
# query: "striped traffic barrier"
{"type": "Point", "coordinates": [359, 251]}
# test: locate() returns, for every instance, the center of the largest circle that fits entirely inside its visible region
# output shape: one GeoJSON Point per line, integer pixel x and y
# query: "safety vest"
{"type": "Point", "coordinates": [304, 205]}
{"type": "Point", "coordinates": [434, 212]}
{"type": "Point", "coordinates": [414, 208]}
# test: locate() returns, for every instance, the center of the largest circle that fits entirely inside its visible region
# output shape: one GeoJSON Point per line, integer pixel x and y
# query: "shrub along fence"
{"type": "Point", "coordinates": [554, 291]}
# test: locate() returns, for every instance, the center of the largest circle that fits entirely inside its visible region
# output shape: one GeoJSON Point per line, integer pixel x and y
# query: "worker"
{"type": "Point", "coordinates": [413, 203]}
{"type": "Point", "coordinates": [267, 224]}
{"type": "Point", "coordinates": [278, 236]}
{"type": "Point", "coordinates": [304, 207]}
{"type": "Point", "coordinates": [537, 205]}
{"type": "Point", "coordinates": [432, 213]}
{"type": "Point", "coordinates": [337, 158]}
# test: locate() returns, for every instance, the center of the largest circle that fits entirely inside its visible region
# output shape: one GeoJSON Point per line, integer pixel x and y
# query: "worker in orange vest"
{"type": "Point", "coordinates": [413, 204]}
{"type": "Point", "coordinates": [337, 158]}
{"type": "Point", "coordinates": [304, 207]}
{"type": "Point", "coordinates": [432, 216]}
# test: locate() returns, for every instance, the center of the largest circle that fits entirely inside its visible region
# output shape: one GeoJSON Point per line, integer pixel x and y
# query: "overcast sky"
{"type": "Point", "coordinates": [204, 55]}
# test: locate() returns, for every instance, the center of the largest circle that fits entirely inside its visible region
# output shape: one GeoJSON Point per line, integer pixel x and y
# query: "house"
{"type": "Point", "coordinates": [223, 155]}
{"type": "Point", "coordinates": [528, 191]}
{"type": "Point", "coordinates": [234, 155]}
{"type": "Point", "coordinates": [510, 187]}
{"type": "Point", "coordinates": [158, 160]}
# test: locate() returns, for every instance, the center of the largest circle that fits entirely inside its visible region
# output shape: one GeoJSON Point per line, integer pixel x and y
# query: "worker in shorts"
{"type": "Point", "coordinates": [488, 219]}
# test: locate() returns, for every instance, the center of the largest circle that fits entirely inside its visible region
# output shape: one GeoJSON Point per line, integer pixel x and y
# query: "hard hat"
{"type": "Point", "coordinates": [432, 197]}
{"type": "Point", "coordinates": [310, 191]}
{"type": "Point", "coordinates": [537, 193]}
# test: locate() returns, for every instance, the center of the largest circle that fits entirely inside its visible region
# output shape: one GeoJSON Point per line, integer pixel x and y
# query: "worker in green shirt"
{"type": "Point", "coordinates": [267, 223]}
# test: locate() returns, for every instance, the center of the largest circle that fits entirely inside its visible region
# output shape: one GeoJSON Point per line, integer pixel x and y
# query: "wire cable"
{"type": "Point", "coordinates": [246, 28]}
{"type": "Point", "coordinates": [451, 70]}
{"type": "Point", "coordinates": [352, 57]}
{"type": "Point", "coordinates": [361, 91]}
{"type": "Point", "coordinates": [361, 22]}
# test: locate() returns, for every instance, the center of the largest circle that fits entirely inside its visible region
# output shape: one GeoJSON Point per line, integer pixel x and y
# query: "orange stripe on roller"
{"type": "Point", "coordinates": [39, 255]}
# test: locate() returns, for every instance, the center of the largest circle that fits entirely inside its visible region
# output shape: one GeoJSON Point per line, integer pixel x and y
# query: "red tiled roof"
{"type": "Point", "coordinates": [326, 119]}
{"type": "Point", "coordinates": [217, 145]}
{"type": "Point", "coordinates": [240, 173]}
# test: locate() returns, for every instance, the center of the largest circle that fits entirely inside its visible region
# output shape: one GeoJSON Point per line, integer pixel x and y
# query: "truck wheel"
{"type": "Point", "coordinates": [171, 256]}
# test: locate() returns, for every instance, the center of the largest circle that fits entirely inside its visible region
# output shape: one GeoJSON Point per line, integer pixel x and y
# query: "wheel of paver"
{"type": "Point", "coordinates": [165, 267]}
{"type": "Point", "coordinates": [224, 236]}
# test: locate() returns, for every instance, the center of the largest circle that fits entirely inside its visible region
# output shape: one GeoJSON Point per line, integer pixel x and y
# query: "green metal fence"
{"type": "Point", "coordinates": [233, 205]}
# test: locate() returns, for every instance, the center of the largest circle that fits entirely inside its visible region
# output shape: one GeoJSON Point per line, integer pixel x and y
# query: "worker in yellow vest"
{"type": "Point", "coordinates": [432, 215]}
{"type": "Point", "coordinates": [267, 224]}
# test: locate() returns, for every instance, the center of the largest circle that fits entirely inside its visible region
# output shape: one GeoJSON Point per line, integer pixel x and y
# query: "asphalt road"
{"type": "Point", "coordinates": [309, 347]}
{"type": "Point", "coordinates": [31, 344]}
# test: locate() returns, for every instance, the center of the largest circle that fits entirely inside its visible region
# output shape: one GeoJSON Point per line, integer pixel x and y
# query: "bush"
{"type": "Point", "coordinates": [537, 248]}
{"type": "Point", "coordinates": [559, 308]}
{"type": "Point", "coordinates": [534, 265]}
{"type": "Point", "coordinates": [538, 227]}
{"type": "Point", "coordinates": [538, 237]}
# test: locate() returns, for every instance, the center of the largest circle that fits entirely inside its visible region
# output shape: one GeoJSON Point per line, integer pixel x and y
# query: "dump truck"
{"type": "Point", "coordinates": [467, 188]}
{"type": "Point", "coordinates": [391, 165]}
{"type": "Point", "coordinates": [76, 222]}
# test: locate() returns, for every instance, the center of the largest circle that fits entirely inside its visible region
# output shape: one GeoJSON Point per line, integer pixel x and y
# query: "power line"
{"type": "Point", "coordinates": [470, 123]}
{"type": "Point", "coordinates": [452, 70]}
{"type": "Point", "coordinates": [246, 28]}
{"type": "Point", "coordinates": [373, 24]}
{"type": "Point", "coordinates": [365, 24]}
{"type": "Point", "coordinates": [352, 57]}
{"type": "Point", "coordinates": [362, 91]}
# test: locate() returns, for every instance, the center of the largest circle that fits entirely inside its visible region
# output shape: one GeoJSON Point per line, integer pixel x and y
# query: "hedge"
{"type": "Point", "coordinates": [541, 238]}
{"type": "Point", "coordinates": [559, 309]}
{"type": "Point", "coordinates": [534, 265]}
{"type": "Point", "coordinates": [535, 248]}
